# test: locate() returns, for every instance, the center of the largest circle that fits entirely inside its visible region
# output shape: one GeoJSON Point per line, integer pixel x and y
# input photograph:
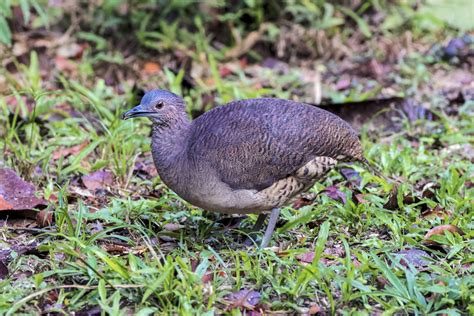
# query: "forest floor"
{"type": "Point", "coordinates": [87, 226]}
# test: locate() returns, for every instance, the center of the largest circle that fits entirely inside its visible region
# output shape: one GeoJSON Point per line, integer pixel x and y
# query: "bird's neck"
{"type": "Point", "coordinates": [169, 143]}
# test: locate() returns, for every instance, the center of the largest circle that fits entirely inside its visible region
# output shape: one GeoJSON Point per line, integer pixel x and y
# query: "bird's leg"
{"type": "Point", "coordinates": [260, 220]}
{"type": "Point", "coordinates": [258, 224]}
{"type": "Point", "coordinates": [270, 228]}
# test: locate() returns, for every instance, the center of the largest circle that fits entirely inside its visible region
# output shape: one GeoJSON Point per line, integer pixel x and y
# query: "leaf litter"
{"type": "Point", "coordinates": [357, 113]}
{"type": "Point", "coordinates": [100, 179]}
{"type": "Point", "coordinates": [244, 299]}
{"type": "Point", "coordinates": [17, 196]}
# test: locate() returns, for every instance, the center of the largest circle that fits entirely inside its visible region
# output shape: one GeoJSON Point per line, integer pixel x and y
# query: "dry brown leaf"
{"type": "Point", "coordinates": [392, 203]}
{"type": "Point", "coordinates": [172, 227]}
{"type": "Point", "coordinates": [300, 202]}
{"type": "Point", "coordinates": [334, 193]}
{"type": "Point", "coordinates": [67, 151]}
{"type": "Point", "coordinates": [243, 299]}
{"type": "Point", "coordinates": [360, 198]}
{"type": "Point", "coordinates": [16, 194]}
{"type": "Point", "coordinates": [27, 222]}
{"type": "Point", "coordinates": [98, 180]}
{"type": "Point", "coordinates": [81, 192]}
{"type": "Point", "coordinates": [12, 251]}
{"type": "Point", "coordinates": [382, 282]}
{"type": "Point", "coordinates": [151, 68]}
{"type": "Point", "coordinates": [414, 256]}
{"type": "Point", "coordinates": [44, 218]}
{"type": "Point", "coordinates": [306, 257]}
{"type": "Point", "coordinates": [207, 277]}
{"type": "Point", "coordinates": [70, 50]}
{"type": "Point", "coordinates": [437, 212]}
{"type": "Point", "coordinates": [65, 65]}
{"type": "Point", "coordinates": [314, 309]}
{"type": "Point", "coordinates": [116, 248]}
{"type": "Point", "coordinates": [4, 205]}
{"type": "Point", "coordinates": [439, 230]}
{"type": "Point", "coordinates": [224, 71]}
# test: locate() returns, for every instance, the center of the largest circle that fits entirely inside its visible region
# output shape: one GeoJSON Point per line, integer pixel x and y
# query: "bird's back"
{"type": "Point", "coordinates": [251, 144]}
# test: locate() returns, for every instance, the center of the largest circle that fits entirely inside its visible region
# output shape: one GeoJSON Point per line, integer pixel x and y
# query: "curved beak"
{"type": "Point", "coordinates": [138, 111]}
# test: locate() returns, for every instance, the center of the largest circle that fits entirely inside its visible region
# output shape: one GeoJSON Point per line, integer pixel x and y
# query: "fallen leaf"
{"type": "Point", "coordinates": [467, 266]}
{"type": "Point", "coordinates": [70, 50]}
{"type": "Point", "coordinates": [439, 230]}
{"type": "Point", "coordinates": [151, 68]}
{"type": "Point", "coordinates": [428, 189]}
{"type": "Point", "coordinates": [414, 256]}
{"type": "Point", "coordinates": [437, 212]}
{"type": "Point", "coordinates": [44, 218]}
{"type": "Point", "coordinates": [115, 248]}
{"type": "Point", "coordinates": [95, 227]}
{"type": "Point", "coordinates": [81, 192]}
{"type": "Point", "coordinates": [14, 103]}
{"type": "Point", "coordinates": [343, 83]}
{"type": "Point", "coordinates": [16, 194]}
{"type": "Point", "coordinates": [244, 299]}
{"type": "Point", "coordinates": [382, 282]}
{"type": "Point", "coordinates": [392, 203]}
{"type": "Point", "coordinates": [167, 238]}
{"type": "Point", "coordinates": [302, 201]}
{"type": "Point", "coordinates": [98, 180]}
{"type": "Point", "coordinates": [314, 309]}
{"type": "Point", "coordinates": [194, 264]}
{"type": "Point", "coordinates": [360, 198]}
{"type": "Point", "coordinates": [4, 205]}
{"type": "Point", "coordinates": [172, 227]}
{"type": "Point", "coordinates": [279, 66]}
{"type": "Point", "coordinates": [19, 249]}
{"type": "Point", "coordinates": [334, 193]}
{"type": "Point", "coordinates": [351, 175]}
{"type": "Point", "coordinates": [20, 48]}
{"type": "Point", "coordinates": [207, 277]}
{"type": "Point", "coordinates": [224, 71]}
{"type": "Point", "coordinates": [306, 257]}
{"type": "Point", "coordinates": [65, 65]}
{"type": "Point", "coordinates": [67, 151]}
{"type": "Point", "coordinates": [27, 219]}
{"type": "Point", "coordinates": [145, 169]}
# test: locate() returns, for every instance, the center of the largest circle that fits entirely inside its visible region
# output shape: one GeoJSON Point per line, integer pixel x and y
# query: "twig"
{"type": "Point", "coordinates": [33, 230]}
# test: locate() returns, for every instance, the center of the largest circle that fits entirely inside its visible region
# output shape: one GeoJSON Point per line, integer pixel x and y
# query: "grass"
{"type": "Point", "coordinates": [152, 275]}
{"type": "Point", "coordinates": [135, 247]}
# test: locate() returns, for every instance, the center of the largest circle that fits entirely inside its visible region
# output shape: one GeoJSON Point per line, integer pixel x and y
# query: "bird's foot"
{"type": "Point", "coordinates": [268, 231]}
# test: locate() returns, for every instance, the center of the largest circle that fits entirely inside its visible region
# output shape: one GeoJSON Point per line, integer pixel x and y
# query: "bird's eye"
{"type": "Point", "coordinates": [159, 105]}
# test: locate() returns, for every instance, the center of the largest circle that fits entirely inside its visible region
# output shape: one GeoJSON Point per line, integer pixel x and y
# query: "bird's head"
{"type": "Point", "coordinates": [158, 105]}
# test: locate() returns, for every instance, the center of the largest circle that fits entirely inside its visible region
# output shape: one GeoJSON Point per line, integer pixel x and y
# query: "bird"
{"type": "Point", "coordinates": [248, 156]}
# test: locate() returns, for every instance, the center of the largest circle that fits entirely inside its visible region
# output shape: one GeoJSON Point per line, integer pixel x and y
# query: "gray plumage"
{"type": "Point", "coordinates": [247, 156]}
{"type": "Point", "coordinates": [254, 143]}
